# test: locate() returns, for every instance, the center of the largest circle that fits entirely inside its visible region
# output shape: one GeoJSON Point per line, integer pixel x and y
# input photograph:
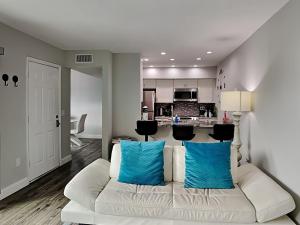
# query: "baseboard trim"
{"type": "Point", "coordinates": [14, 188]}
{"type": "Point", "coordinates": [93, 136]}
{"type": "Point", "coordinates": [65, 160]}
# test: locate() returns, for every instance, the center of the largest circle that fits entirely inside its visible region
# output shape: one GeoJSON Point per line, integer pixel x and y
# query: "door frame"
{"type": "Point", "coordinates": [28, 60]}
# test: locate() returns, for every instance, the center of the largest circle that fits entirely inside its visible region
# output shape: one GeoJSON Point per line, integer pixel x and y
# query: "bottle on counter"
{"type": "Point", "coordinates": [207, 113]}
{"type": "Point", "coordinates": [161, 111]}
{"type": "Point", "coordinates": [176, 119]}
{"type": "Point", "coordinates": [225, 117]}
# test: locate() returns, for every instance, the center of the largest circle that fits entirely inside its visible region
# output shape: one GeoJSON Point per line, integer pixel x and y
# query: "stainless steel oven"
{"type": "Point", "coordinates": [185, 95]}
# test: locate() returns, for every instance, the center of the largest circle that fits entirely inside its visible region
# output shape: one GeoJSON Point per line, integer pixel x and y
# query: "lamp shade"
{"type": "Point", "coordinates": [236, 101]}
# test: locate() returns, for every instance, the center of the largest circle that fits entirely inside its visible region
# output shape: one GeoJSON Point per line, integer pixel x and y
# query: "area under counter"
{"type": "Point", "coordinates": [202, 128]}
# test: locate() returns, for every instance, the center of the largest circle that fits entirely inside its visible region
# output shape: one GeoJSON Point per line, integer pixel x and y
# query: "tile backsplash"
{"type": "Point", "coordinates": [184, 109]}
{"type": "Point", "coordinates": [163, 109]}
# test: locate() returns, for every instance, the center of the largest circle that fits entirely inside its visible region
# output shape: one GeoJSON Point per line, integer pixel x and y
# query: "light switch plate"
{"type": "Point", "coordinates": [18, 162]}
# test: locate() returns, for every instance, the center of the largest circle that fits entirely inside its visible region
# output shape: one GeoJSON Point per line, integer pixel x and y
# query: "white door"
{"type": "Point", "coordinates": [43, 118]}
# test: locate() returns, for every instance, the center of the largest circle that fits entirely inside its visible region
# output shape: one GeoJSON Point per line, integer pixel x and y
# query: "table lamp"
{"type": "Point", "coordinates": [236, 102]}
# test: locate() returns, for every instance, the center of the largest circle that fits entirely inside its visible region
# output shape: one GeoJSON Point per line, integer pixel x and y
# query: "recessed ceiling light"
{"type": "Point", "coordinates": [151, 66]}
{"type": "Point", "coordinates": [195, 65]}
{"type": "Point", "coordinates": [146, 60]}
{"type": "Point", "coordinates": [209, 52]}
{"type": "Point", "coordinates": [172, 59]}
{"type": "Point", "coordinates": [199, 59]}
{"type": "Point", "coordinates": [163, 53]}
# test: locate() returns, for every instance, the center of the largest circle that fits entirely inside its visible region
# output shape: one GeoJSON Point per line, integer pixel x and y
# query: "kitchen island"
{"type": "Point", "coordinates": [202, 128]}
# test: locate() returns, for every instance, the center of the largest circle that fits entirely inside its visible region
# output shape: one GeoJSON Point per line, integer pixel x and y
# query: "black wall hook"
{"type": "Point", "coordinates": [15, 80]}
{"type": "Point", "coordinates": [5, 78]}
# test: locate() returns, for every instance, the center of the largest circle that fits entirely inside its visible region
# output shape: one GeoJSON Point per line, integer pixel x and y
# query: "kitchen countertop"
{"type": "Point", "coordinates": [200, 122]}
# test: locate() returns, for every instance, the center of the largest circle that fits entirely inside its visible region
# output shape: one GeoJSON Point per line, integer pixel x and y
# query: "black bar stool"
{"type": "Point", "coordinates": [183, 132]}
{"type": "Point", "coordinates": [223, 132]}
{"type": "Point", "coordinates": [146, 127]}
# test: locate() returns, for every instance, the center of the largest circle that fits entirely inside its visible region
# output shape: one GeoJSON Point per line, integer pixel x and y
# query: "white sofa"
{"type": "Point", "coordinates": [98, 198]}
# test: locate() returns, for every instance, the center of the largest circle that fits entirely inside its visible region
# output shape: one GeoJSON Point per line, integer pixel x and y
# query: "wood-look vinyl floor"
{"type": "Point", "coordinates": [41, 202]}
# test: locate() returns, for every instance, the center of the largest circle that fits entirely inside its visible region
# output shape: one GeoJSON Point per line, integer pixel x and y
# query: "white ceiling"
{"type": "Point", "coordinates": [185, 29]}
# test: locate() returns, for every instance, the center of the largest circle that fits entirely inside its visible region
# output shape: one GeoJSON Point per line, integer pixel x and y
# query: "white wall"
{"type": "Point", "coordinates": [269, 64]}
{"type": "Point", "coordinates": [86, 97]}
{"type": "Point", "coordinates": [179, 73]}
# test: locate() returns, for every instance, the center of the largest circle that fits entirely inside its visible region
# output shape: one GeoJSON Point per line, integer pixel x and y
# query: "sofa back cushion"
{"type": "Point", "coordinates": [116, 161]}
{"type": "Point", "coordinates": [179, 164]}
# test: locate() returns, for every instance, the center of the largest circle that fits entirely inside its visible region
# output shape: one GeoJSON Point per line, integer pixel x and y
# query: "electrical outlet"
{"type": "Point", "coordinates": [18, 162]}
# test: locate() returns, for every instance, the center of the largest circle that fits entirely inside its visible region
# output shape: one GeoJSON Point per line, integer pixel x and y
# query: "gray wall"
{"type": "Point", "coordinates": [86, 97]}
{"type": "Point", "coordinates": [65, 115]}
{"type": "Point", "coordinates": [126, 93]}
{"type": "Point", "coordinates": [179, 73]}
{"type": "Point", "coordinates": [18, 46]}
{"type": "Point", "coordinates": [269, 64]}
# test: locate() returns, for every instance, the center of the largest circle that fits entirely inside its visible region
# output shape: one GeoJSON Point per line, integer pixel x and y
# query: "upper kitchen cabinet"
{"type": "Point", "coordinates": [185, 83]}
{"type": "Point", "coordinates": [206, 90]}
{"type": "Point", "coordinates": [149, 84]}
{"type": "Point", "coordinates": [164, 91]}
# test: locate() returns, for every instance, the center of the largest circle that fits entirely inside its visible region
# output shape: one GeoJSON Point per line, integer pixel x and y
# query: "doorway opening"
{"type": "Point", "coordinates": [86, 109]}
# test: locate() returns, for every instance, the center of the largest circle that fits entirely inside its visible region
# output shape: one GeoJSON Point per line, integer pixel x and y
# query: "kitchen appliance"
{"type": "Point", "coordinates": [149, 97]}
{"type": "Point", "coordinates": [185, 95]}
{"type": "Point", "coordinates": [163, 109]}
{"type": "Point", "coordinates": [145, 115]}
{"type": "Point", "coordinates": [202, 110]}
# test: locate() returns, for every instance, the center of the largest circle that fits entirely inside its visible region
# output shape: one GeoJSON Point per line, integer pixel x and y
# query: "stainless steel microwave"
{"type": "Point", "coordinates": [185, 95]}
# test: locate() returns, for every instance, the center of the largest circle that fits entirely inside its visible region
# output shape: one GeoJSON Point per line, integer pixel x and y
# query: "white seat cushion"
{"type": "Point", "coordinates": [179, 164]}
{"type": "Point", "coordinates": [212, 205]}
{"type": "Point", "coordinates": [173, 201]}
{"type": "Point", "coordinates": [135, 200]}
{"type": "Point", "coordinates": [269, 199]}
{"type": "Point", "coordinates": [116, 160]}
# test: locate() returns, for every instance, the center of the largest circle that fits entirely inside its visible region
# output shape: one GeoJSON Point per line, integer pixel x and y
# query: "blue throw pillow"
{"type": "Point", "coordinates": [207, 165]}
{"type": "Point", "coordinates": [142, 163]}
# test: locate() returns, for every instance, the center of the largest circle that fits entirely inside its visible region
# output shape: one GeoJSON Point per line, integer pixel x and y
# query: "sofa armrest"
{"type": "Point", "coordinates": [268, 198]}
{"type": "Point", "coordinates": [85, 187]}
